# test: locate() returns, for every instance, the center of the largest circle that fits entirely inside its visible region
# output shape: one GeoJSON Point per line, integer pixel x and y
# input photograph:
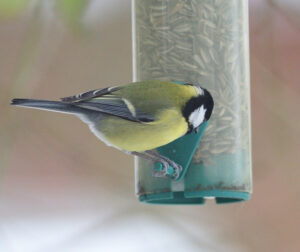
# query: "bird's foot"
{"type": "Point", "coordinates": [163, 166]}
{"type": "Point", "coordinates": [166, 168]}
{"type": "Point", "coordinates": [160, 169]}
{"type": "Point", "coordinates": [177, 169]}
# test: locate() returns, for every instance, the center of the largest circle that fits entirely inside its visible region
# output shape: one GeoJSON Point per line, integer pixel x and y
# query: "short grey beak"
{"type": "Point", "coordinates": [197, 130]}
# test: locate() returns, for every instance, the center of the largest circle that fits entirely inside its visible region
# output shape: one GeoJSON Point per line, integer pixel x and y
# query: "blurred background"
{"type": "Point", "coordinates": [63, 190]}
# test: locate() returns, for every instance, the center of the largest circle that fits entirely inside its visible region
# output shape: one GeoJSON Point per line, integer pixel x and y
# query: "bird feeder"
{"type": "Point", "coordinates": [203, 42]}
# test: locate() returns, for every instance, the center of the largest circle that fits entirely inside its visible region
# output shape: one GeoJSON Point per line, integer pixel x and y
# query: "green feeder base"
{"type": "Point", "coordinates": [190, 198]}
{"type": "Point", "coordinates": [224, 179]}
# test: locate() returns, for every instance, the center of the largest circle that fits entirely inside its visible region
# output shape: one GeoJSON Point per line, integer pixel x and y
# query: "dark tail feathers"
{"type": "Point", "coordinates": [56, 106]}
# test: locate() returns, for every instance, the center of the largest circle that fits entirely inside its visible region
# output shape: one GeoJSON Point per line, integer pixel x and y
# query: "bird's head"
{"type": "Point", "coordinates": [198, 109]}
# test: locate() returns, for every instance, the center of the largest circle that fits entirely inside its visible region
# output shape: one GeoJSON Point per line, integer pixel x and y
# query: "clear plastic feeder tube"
{"type": "Point", "coordinates": [204, 42]}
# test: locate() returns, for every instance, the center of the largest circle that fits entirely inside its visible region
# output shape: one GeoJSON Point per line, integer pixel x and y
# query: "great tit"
{"type": "Point", "coordinates": [137, 117]}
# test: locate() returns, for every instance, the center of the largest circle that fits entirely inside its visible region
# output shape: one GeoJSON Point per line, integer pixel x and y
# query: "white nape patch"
{"type": "Point", "coordinates": [130, 107]}
{"type": "Point", "coordinates": [200, 90]}
{"type": "Point", "coordinates": [197, 116]}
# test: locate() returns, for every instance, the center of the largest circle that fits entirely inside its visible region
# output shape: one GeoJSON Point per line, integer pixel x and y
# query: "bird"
{"type": "Point", "coordinates": [137, 117]}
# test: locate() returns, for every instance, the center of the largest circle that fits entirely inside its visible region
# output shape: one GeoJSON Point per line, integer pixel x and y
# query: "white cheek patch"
{"type": "Point", "coordinates": [197, 116]}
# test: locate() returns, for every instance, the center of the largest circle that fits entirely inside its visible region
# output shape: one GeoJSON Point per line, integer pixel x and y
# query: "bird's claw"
{"type": "Point", "coordinates": [177, 171]}
{"type": "Point", "coordinates": [164, 173]}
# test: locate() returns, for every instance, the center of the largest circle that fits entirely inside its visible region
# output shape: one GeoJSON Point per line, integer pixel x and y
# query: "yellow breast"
{"type": "Point", "coordinates": [133, 136]}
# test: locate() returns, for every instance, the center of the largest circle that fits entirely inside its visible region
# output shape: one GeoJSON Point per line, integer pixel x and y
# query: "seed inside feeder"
{"type": "Point", "coordinates": [204, 42]}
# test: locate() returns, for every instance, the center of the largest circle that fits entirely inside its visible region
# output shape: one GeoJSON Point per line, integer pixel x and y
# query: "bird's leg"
{"type": "Point", "coordinates": [177, 167]}
{"type": "Point", "coordinates": [155, 173]}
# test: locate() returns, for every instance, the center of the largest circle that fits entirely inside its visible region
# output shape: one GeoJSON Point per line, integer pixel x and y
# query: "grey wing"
{"type": "Point", "coordinates": [116, 107]}
{"type": "Point", "coordinates": [104, 101]}
{"type": "Point", "coordinates": [90, 94]}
